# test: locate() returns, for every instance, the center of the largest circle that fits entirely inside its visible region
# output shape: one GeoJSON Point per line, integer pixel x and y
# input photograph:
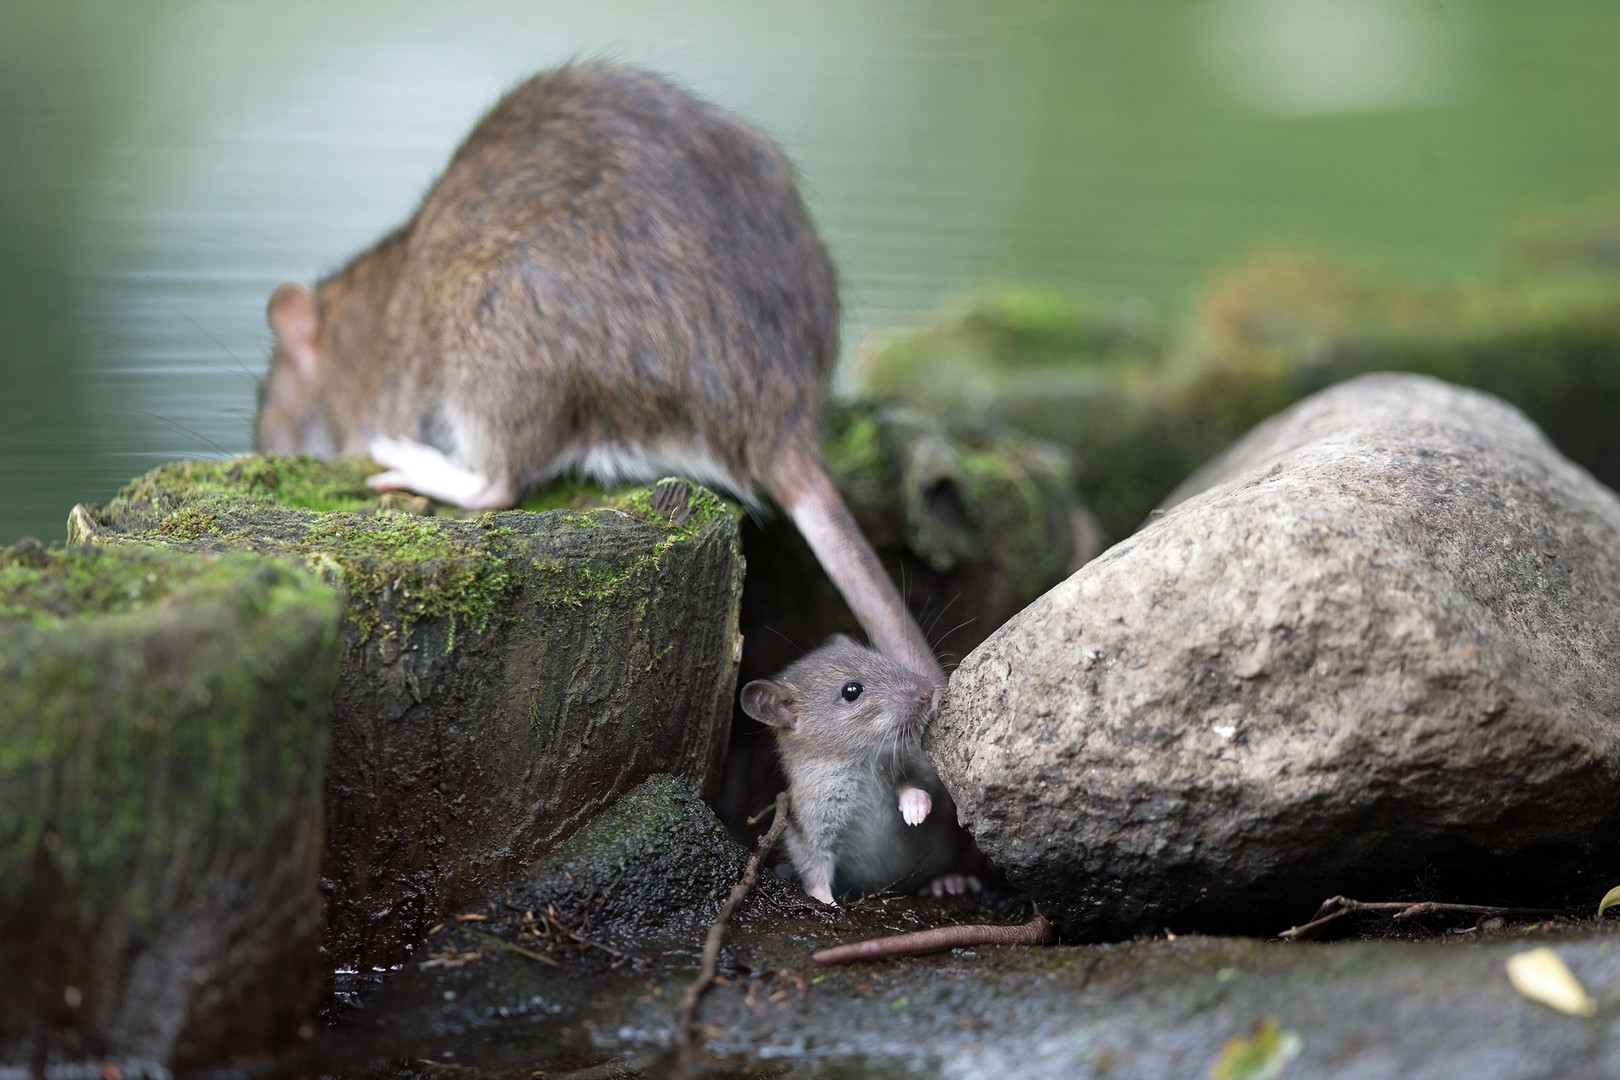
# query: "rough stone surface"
{"type": "Point", "coordinates": [645, 877]}
{"type": "Point", "coordinates": [1148, 1010]}
{"type": "Point", "coordinates": [652, 868]}
{"type": "Point", "coordinates": [1376, 651]}
{"type": "Point", "coordinates": [502, 678]}
{"type": "Point", "coordinates": [162, 738]}
{"type": "Point", "coordinates": [973, 522]}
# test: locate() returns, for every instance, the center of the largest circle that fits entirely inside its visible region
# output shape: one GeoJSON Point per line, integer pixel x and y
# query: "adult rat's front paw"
{"type": "Point", "coordinates": [915, 805]}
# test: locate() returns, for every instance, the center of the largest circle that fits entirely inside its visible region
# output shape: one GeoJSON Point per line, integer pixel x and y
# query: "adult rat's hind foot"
{"type": "Point", "coordinates": [951, 885]}
{"type": "Point", "coordinates": [425, 470]}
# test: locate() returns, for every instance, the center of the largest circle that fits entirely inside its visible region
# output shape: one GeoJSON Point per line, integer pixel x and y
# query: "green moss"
{"type": "Point", "coordinates": [600, 580]}
{"type": "Point", "coordinates": [1141, 410]}
{"type": "Point", "coordinates": [303, 483]}
{"type": "Point", "coordinates": [564, 494]}
{"type": "Point", "coordinates": [87, 582]}
{"type": "Point", "coordinates": [398, 569]}
{"type": "Point", "coordinates": [148, 695]}
{"type": "Point", "coordinates": [690, 512]}
{"type": "Point", "coordinates": [1549, 342]}
{"type": "Point", "coordinates": [414, 568]}
{"type": "Point", "coordinates": [1013, 497]}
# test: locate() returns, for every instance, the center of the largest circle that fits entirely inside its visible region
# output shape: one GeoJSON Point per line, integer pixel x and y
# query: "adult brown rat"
{"type": "Point", "coordinates": [610, 278]}
{"type": "Point", "coordinates": [868, 810]}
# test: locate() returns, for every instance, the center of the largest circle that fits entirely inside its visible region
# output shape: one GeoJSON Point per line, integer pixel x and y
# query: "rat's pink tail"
{"type": "Point", "coordinates": [819, 512]}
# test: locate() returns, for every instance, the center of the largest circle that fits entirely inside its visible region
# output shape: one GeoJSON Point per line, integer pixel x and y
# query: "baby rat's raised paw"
{"type": "Point", "coordinates": [915, 805]}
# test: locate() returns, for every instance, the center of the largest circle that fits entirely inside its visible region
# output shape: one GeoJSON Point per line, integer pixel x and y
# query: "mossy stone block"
{"type": "Point", "coordinates": [1058, 368]}
{"type": "Point", "coordinates": [162, 738]}
{"type": "Point", "coordinates": [1141, 409]}
{"type": "Point", "coordinates": [503, 676]}
{"type": "Point", "coordinates": [1546, 340]}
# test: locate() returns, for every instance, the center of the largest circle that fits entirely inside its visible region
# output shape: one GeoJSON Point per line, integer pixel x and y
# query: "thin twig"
{"type": "Point", "coordinates": [583, 940]}
{"type": "Point", "coordinates": [881, 891]}
{"type": "Point", "coordinates": [686, 1014]}
{"type": "Point", "coordinates": [508, 946]}
{"type": "Point", "coordinates": [1037, 931]}
{"type": "Point", "coordinates": [771, 809]}
{"type": "Point", "coordinates": [1336, 907]}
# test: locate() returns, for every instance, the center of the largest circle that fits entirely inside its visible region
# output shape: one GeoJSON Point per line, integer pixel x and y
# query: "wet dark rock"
{"type": "Point", "coordinates": [1373, 645]}
{"type": "Point", "coordinates": [620, 910]}
{"type": "Point", "coordinates": [1441, 1009]}
{"type": "Point", "coordinates": [162, 736]}
{"type": "Point", "coordinates": [502, 677]}
{"type": "Point", "coordinates": [652, 868]}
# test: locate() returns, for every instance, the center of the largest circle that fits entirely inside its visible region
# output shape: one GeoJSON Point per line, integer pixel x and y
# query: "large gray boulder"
{"type": "Point", "coordinates": [1372, 646]}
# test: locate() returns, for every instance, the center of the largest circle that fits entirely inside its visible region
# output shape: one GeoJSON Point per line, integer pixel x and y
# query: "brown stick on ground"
{"type": "Point", "coordinates": [1035, 932]}
{"type": "Point", "coordinates": [1336, 907]}
{"type": "Point", "coordinates": [686, 1014]}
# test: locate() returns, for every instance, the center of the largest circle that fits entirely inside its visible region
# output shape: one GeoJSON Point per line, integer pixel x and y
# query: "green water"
{"type": "Point", "coordinates": [164, 164]}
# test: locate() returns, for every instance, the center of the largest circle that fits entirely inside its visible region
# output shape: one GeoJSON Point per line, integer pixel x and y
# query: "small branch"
{"type": "Point", "coordinates": [1338, 906]}
{"type": "Point", "coordinates": [1038, 931]}
{"type": "Point", "coordinates": [583, 940]}
{"type": "Point", "coordinates": [681, 1038]}
{"type": "Point", "coordinates": [508, 946]}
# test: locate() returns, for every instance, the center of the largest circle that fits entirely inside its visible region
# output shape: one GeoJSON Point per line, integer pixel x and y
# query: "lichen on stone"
{"type": "Point", "coordinates": [397, 568]}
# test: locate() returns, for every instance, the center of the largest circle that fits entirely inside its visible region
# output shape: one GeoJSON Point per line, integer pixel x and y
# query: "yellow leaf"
{"type": "Point", "coordinates": [1540, 975]}
{"type": "Point", "coordinates": [1610, 898]}
{"type": "Point", "coordinates": [1260, 1055]}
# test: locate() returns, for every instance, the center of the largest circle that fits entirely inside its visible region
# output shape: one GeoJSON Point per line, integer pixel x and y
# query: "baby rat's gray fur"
{"type": "Point", "coordinates": [868, 809]}
{"type": "Point", "coordinates": [610, 278]}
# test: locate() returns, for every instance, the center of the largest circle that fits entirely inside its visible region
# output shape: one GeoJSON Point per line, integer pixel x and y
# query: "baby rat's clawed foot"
{"type": "Point", "coordinates": [915, 805]}
{"type": "Point", "coordinates": [819, 887]}
{"type": "Point", "coordinates": [951, 885]}
{"type": "Point", "coordinates": [426, 471]}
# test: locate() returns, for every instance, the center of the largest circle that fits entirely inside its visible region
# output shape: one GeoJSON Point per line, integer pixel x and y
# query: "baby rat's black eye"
{"type": "Point", "coordinates": [852, 690]}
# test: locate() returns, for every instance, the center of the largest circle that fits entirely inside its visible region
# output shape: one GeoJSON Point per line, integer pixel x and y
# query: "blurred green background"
{"type": "Point", "coordinates": [164, 164]}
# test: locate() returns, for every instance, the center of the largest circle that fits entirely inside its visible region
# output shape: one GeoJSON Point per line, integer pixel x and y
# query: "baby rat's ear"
{"type": "Point", "coordinates": [839, 639]}
{"type": "Point", "coordinates": [294, 319]}
{"type": "Point", "coordinates": [769, 703]}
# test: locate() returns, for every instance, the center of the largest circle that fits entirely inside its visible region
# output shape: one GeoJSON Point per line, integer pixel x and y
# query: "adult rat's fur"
{"type": "Point", "coordinates": [610, 278]}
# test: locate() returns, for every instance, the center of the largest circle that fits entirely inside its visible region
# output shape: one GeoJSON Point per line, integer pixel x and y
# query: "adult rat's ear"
{"type": "Point", "coordinates": [769, 703]}
{"type": "Point", "coordinates": [296, 322]}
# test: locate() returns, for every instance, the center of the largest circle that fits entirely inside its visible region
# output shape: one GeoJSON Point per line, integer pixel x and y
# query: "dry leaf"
{"type": "Point", "coordinates": [1540, 975]}
{"type": "Point", "coordinates": [1610, 898]}
{"type": "Point", "coordinates": [1260, 1055]}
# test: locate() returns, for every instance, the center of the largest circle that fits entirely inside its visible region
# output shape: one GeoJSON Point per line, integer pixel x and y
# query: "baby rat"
{"type": "Point", "coordinates": [848, 722]}
{"type": "Point", "coordinates": [610, 278]}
